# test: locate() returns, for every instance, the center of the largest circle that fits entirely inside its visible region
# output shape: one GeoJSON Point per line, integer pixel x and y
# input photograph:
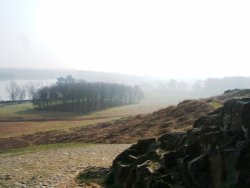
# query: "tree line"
{"type": "Point", "coordinates": [69, 94]}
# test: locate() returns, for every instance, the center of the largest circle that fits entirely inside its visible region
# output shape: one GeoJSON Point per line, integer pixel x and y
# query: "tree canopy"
{"type": "Point", "coordinates": [69, 94]}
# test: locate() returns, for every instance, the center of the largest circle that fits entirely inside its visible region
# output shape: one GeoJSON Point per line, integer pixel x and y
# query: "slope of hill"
{"type": "Point", "coordinates": [130, 129]}
{"type": "Point", "coordinates": [124, 130]}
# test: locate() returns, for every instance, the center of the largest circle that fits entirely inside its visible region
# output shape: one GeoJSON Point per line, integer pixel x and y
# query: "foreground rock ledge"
{"type": "Point", "coordinates": [214, 153]}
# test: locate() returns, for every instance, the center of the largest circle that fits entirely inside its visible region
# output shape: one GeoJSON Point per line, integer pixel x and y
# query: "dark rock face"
{"type": "Point", "coordinates": [214, 153]}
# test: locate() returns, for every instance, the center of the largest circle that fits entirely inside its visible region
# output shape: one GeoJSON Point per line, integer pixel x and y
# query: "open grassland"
{"type": "Point", "coordinates": [20, 119]}
{"type": "Point", "coordinates": [123, 130]}
{"type": "Point", "coordinates": [24, 111]}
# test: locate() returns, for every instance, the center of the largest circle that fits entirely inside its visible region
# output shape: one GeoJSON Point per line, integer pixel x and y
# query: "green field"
{"type": "Point", "coordinates": [24, 111]}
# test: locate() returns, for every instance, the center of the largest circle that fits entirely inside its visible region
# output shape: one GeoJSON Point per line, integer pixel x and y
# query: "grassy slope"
{"type": "Point", "coordinates": [19, 119]}
{"type": "Point", "coordinates": [125, 130]}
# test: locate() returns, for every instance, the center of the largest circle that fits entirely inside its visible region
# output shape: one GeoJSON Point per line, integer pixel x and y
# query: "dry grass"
{"type": "Point", "coordinates": [13, 129]}
{"type": "Point", "coordinates": [124, 130]}
{"type": "Point", "coordinates": [20, 119]}
{"type": "Point", "coordinates": [25, 111]}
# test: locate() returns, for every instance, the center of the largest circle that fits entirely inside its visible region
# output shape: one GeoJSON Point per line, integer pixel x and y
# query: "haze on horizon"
{"type": "Point", "coordinates": [179, 39]}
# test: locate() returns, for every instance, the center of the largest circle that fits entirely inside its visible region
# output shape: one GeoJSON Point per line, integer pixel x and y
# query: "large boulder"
{"type": "Point", "coordinates": [214, 153]}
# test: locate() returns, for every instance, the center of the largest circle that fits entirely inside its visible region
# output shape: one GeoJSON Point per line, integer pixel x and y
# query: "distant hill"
{"type": "Point", "coordinates": [49, 74]}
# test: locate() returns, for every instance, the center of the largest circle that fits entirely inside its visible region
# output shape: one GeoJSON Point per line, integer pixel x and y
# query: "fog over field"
{"type": "Point", "coordinates": [170, 49]}
{"type": "Point", "coordinates": [163, 39]}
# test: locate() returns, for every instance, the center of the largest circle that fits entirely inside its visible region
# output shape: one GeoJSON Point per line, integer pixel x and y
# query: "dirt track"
{"type": "Point", "coordinates": [54, 168]}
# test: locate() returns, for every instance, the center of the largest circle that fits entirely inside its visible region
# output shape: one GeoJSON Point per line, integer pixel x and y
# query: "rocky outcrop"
{"type": "Point", "coordinates": [214, 153]}
{"type": "Point", "coordinates": [233, 94]}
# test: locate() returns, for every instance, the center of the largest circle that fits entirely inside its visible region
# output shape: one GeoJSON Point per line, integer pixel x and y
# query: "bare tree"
{"type": "Point", "coordinates": [31, 89]}
{"type": "Point", "coordinates": [13, 90]}
{"type": "Point", "coordinates": [22, 93]}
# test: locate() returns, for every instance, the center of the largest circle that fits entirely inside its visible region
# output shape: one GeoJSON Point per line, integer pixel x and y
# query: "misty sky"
{"type": "Point", "coordinates": [157, 38]}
